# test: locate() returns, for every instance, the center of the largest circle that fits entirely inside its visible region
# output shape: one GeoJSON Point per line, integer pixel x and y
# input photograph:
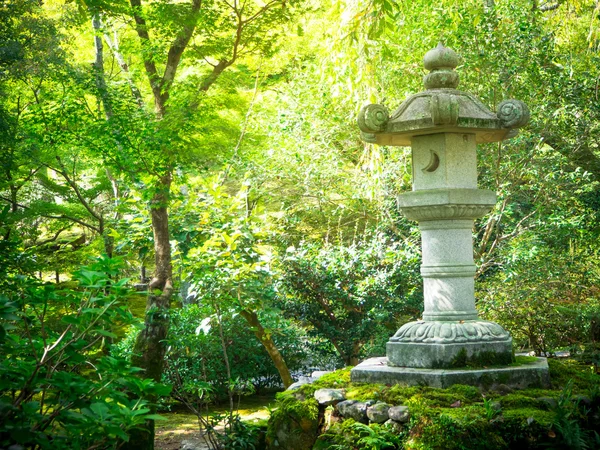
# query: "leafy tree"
{"type": "Point", "coordinates": [351, 295]}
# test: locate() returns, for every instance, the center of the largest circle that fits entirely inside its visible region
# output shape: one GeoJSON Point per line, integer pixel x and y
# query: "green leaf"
{"type": "Point", "coordinates": [106, 333]}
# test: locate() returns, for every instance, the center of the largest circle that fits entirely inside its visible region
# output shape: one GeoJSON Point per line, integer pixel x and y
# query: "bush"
{"type": "Point", "coordinates": [354, 296]}
{"type": "Point", "coordinates": [58, 388]}
{"type": "Point", "coordinates": [194, 357]}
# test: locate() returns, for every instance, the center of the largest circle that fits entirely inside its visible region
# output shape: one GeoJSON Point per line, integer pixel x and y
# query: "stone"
{"type": "Point", "coordinates": [503, 389]}
{"type": "Point", "coordinates": [547, 402]}
{"type": "Point", "coordinates": [343, 406]}
{"type": "Point", "coordinates": [328, 397]}
{"type": "Point", "coordinates": [351, 409]}
{"type": "Point", "coordinates": [301, 382]}
{"type": "Point", "coordinates": [318, 374]}
{"type": "Point", "coordinates": [191, 445]}
{"type": "Point", "coordinates": [377, 370]}
{"type": "Point", "coordinates": [295, 434]}
{"type": "Point", "coordinates": [582, 400]}
{"type": "Point", "coordinates": [399, 414]}
{"type": "Point", "coordinates": [378, 413]}
{"type": "Point", "coordinates": [393, 426]}
{"type": "Point", "coordinates": [443, 126]}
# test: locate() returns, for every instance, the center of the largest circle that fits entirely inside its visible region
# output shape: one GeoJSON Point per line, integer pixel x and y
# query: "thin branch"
{"type": "Point", "coordinates": [51, 216]}
{"type": "Point", "coordinates": [75, 188]}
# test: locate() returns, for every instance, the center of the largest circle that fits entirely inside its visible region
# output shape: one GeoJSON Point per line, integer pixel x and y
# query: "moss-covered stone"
{"type": "Point", "coordinates": [293, 424]}
{"type": "Point", "coordinates": [466, 417]}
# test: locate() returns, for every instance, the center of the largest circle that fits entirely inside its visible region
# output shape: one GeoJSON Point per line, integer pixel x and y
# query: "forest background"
{"type": "Point", "coordinates": [207, 152]}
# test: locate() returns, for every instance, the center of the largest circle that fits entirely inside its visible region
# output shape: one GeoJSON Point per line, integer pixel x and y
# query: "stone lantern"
{"type": "Point", "coordinates": [443, 126]}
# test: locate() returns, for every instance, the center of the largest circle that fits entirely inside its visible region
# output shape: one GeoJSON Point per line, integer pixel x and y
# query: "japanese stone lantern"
{"type": "Point", "coordinates": [443, 126]}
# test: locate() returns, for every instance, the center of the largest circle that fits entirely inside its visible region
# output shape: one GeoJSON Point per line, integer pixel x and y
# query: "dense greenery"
{"type": "Point", "coordinates": [460, 417]}
{"type": "Point", "coordinates": [207, 153]}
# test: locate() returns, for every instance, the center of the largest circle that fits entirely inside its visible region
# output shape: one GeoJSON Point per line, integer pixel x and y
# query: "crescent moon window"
{"type": "Point", "coordinates": [434, 162]}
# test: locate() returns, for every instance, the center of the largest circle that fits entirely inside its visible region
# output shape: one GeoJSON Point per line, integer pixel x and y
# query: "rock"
{"type": "Point", "coordinates": [393, 426]}
{"type": "Point", "coordinates": [342, 407]}
{"type": "Point", "coordinates": [294, 434]}
{"type": "Point", "coordinates": [328, 397]}
{"type": "Point", "coordinates": [318, 374]}
{"type": "Point", "coordinates": [582, 400]}
{"type": "Point", "coordinates": [503, 389]}
{"type": "Point", "coordinates": [353, 410]}
{"type": "Point", "coordinates": [190, 445]}
{"type": "Point", "coordinates": [378, 413]}
{"type": "Point", "coordinates": [301, 382]}
{"type": "Point", "coordinates": [399, 414]}
{"type": "Point", "coordinates": [370, 402]}
{"type": "Point", "coordinates": [548, 402]}
{"type": "Point", "coordinates": [496, 406]}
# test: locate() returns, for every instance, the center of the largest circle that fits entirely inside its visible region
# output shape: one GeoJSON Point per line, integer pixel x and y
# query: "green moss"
{"type": "Point", "coordinates": [524, 360]}
{"type": "Point", "coordinates": [299, 420]}
{"type": "Point", "coordinates": [458, 418]}
{"type": "Point", "coordinates": [581, 374]}
{"type": "Point", "coordinates": [336, 379]}
{"type": "Point", "coordinates": [364, 392]}
{"type": "Point", "coordinates": [479, 360]}
{"type": "Point", "coordinates": [453, 428]}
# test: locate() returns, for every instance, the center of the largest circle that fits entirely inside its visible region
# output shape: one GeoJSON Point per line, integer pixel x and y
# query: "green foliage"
{"type": "Point", "coordinates": [58, 390]}
{"type": "Point", "coordinates": [194, 358]}
{"type": "Point", "coordinates": [357, 436]}
{"type": "Point", "coordinates": [240, 435]}
{"type": "Point", "coordinates": [352, 295]}
{"type": "Point", "coordinates": [462, 417]}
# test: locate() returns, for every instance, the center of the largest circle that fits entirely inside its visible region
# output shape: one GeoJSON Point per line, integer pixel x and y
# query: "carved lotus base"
{"type": "Point", "coordinates": [424, 332]}
{"type": "Point", "coordinates": [450, 344]}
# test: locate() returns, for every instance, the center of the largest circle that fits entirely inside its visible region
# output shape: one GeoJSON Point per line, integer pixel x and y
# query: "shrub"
{"type": "Point", "coordinates": [58, 388]}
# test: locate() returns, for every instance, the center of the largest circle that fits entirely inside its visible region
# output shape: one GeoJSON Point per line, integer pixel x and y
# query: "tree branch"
{"type": "Point", "coordinates": [151, 72]}
{"type": "Point", "coordinates": [51, 216]}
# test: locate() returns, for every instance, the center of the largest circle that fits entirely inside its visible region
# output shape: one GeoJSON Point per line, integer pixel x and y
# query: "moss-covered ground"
{"type": "Point", "coordinates": [564, 416]}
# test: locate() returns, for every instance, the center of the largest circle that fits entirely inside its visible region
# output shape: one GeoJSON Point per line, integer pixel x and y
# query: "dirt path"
{"type": "Point", "coordinates": [182, 427]}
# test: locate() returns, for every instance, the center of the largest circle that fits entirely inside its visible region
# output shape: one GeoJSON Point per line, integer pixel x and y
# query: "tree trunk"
{"type": "Point", "coordinates": [265, 339]}
{"type": "Point", "coordinates": [149, 350]}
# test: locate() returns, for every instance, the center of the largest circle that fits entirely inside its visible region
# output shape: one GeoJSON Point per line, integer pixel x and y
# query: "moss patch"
{"type": "Point", "coordinates": [465, 417]}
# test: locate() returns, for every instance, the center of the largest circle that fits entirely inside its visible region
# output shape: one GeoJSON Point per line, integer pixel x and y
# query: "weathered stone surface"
{"type": "Point", "coordinates": [378, 413]}
{"type": "Point", "coordinates": [548, 402]}
{"type": "Point", "coordinates": [295, 435]}
{"type": "Point", "coordinates": [342, 407]}
{"type": "Point", "coordinates": [192, 444]}
{"type": "Point", "coordinates": [301, 381]}
{"type": "Point", "coordinates": [503, 389]}
{"type": "Point", "coordinates": [318, 374]}
{"type": "Point", "coordinates": [582, 399]}
{"type": "Point", "coordinates": [377, 370]}
{"type": "Point", "coordinates": [447, 355]}
{"type": "Point", "coordinates": [353, 410]}
{"type": "Point", "coordinates": [328, 397]}
{"type": "Point", "coordinates": [393, 426]}
{"type": "Point", "coordinates": [399, 414]}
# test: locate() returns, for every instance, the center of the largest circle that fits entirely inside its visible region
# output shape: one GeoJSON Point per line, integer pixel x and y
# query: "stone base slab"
{"type": "Point", "coordinates": [377, 370]}
{"type": "Point", "coordinates": [438, 356]}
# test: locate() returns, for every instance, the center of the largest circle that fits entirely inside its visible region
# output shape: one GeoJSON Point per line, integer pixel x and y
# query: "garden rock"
{"type": "Point", "coordinates": [318, 374]}
{"type": "Point", "coordinates": [399, 414]}
{"type": "Point", "coordinates": [301, 382]}
{"type": "Point", "coordinates": [582, 399]}
{"type": "Point", "coordinates": [393, 426]}
{"type": "Point", "coordinates": [353, 410]}
{"type": "Point", "coordinates": [295, 435]}
{"type": "Point", "coordinates": [548, 402]}
{"type": "Point", "coordinates": [378, 413]}
{"type": "Point", "coordinates": [328, 397]}
{"type": "Point", "coordinates": [191, 445]}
